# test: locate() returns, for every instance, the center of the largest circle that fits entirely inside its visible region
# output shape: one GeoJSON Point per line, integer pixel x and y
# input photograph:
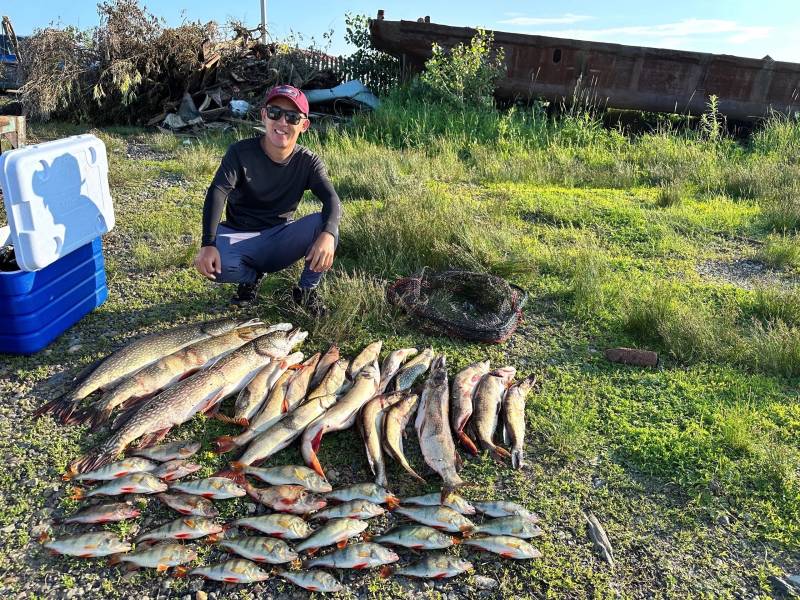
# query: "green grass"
{"type": "Point", "coordinates": [692, 466]}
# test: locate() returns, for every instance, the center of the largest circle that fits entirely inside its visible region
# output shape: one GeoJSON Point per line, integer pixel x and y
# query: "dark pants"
{"type": "Point", "coordinates": [245, 254]}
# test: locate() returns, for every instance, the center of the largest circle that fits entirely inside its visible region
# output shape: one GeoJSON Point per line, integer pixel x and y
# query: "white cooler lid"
{"type": "Point", "coordinates": [56, 197]}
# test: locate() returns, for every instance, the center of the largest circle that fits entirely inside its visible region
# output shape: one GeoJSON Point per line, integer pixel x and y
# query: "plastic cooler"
{"type": "Point", "coordinates": [58, 204]}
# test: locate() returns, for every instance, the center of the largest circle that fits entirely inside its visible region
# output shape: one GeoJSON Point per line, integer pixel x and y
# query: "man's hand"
{"type": "Point", "coordinates": [320, 255]}
{"type": "Point", "coordinates": [208, 262]}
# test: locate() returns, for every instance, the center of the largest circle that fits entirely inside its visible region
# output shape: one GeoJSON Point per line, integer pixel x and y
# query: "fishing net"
{"type": "Point", "coordinates": [474, 306]}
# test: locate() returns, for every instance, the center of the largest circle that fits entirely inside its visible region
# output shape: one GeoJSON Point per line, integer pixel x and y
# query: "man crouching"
{"type": "Point", "coordinates": [260, 183]}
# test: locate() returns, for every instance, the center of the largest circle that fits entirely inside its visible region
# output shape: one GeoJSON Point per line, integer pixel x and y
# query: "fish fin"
{"type": "Point", "coordinates": [213, 538]}
{"type": "Point", "coordinates": [459, 462]}
{"type": "Point", "coordinates": [123, 418]}
{"type": "Point", "coordinates": [312, 551]}
{"type": "Point", "coordinates": [161, 568]}
{"type": "Point", "coordinates": [466, 529]}
{"type": "Point", "coordinates": [314, 464]}
{"type": "Point", "coordinates": [61, 408]}
{"type": "Point", "coordinates": [244, 422]}
{"type": "Point", "coordinates": [367, 537]}
{"type": "Point", "coordinates": [223, 444]}
{"type": "Point", "coordinates": [151, 439]}
{"type": "Point", "coordinates": [467, 442]}
{"type": "Point", "coordinates": [180, 571]}
{"type": "Point", "coordinates": [233, 475]}
{"type": "Point", "coordinates": [360, 566]}
{"type": "Point", "coordinates": [386, 571]}
{"type": "Point", "coordinates": [456, 540]}
{"type": "Point", "coordinates": [517, 459]}
{"type": "Point", "coordinates": [225, 418]}
{"type": "Point", "coordinates": [77, 494]}
{"type": "Point", "coordinates": [134, 401]}
{"type": "Point", "coordinates": [296, 564]}
{"type": "Point", "coordinates": [317, 440]}
{"type": "Point", "coordinates": [392, 501]}
{"type": "Point", "coordinates": [44, 537]}
{"type": "Point", "coordinates": [115, 559]}
{"type": "Point", "coordinates": [341, 544]}
{"type": "Point", "coordinates": [237, 466]}
{"type": "Point", "coordinates": [285, 405]}
{"type": "Point", "coordinates": [68, 474]}
{"type": "Point", "coordinates": [95, 417]}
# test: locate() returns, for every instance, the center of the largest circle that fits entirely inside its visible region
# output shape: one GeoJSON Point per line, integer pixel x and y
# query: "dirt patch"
{"type": "Point", "coordinates": [746, 273]}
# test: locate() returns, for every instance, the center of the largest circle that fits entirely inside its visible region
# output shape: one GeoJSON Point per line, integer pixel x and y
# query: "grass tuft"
{"type": "Point", "coordinates": [781, 251]}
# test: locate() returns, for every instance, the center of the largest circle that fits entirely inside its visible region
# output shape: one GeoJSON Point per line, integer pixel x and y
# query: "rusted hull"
{"type": "Point", "coordinates": [617, 76]}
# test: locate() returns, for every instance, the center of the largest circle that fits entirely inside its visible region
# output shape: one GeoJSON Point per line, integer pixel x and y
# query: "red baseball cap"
{"type": "Point", "coordinates": [292, 94]}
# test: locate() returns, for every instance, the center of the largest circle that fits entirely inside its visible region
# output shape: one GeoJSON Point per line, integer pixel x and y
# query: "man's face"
{"type": "Point", "coordinates": [280, 133]}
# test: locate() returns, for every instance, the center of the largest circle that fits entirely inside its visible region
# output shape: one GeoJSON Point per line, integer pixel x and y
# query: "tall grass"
{"type": "Point", "coordinates": [781, 251]}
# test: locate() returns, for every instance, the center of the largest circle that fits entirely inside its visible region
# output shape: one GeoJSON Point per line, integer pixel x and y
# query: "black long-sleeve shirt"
{"type": "Point", "coordinates": [261, 193]}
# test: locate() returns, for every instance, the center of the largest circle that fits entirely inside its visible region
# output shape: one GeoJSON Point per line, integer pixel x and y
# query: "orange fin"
{"type": "Point", "coordinates": [392, 501]}
{"type": "Point", "coordinates": [316, 466]}
{"type": "Point", "coordinates": [386, 571]}
{"type": "Point", "coordinates": [161, 568]}
{"type": "Point", "coordinates": [77, 493]}
{"type": "Point", "coordinates": [180, 571]}
{"type": "Point", "coordinates": [341, 544]}
{"type": "Point", "coordinates": [224, 444]}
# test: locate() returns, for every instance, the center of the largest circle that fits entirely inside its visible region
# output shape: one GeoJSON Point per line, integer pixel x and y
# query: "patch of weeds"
{"type": "Point", "coordinates": [781, 251]}
{"type": "Point", "coordinates": [773, 348]}
{"type": "Point", "coordinates": [774, 304]}
{"type": "Point", "coordinates": [780, 208]}
{"type": "Point", "coordinates": [565, 419]}
{"type": "Point", "coordinates": [669, 194]}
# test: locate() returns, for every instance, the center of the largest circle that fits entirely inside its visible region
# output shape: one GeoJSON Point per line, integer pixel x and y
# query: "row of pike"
{"type": "Point", "coordinates": [152, 382]}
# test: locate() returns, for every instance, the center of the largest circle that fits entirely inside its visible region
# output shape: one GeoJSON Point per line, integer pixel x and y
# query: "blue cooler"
{"type": "Point", "coordinates": [57, 199]}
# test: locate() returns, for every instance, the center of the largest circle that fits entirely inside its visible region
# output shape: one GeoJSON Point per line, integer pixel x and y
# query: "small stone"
{"type": "Point", "coordinates": [186, 597]}
{"type": "Point", "coordinates": [201, 595]}
{"type": "Point", "coordinates": [333, 474]}
{"type": "Point", "coordinates": [74, 348]}
{"type": "Point", "coordinates": [485, 583]}
{"type": "Point", "coordinates": [251, 508]}
{"type": "Point", "coordinates": [196, 585]}
{"type": "Point", "coordinates": [723, 520]}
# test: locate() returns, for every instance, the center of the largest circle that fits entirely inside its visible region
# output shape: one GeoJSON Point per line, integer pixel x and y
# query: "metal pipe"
{"type": "Point", "coordinates": [263, 21]}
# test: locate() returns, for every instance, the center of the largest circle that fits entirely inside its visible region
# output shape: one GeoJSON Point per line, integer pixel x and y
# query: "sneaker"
{"type": "Point", "coordinates": [310, 300]}
{"type": "Point", "coordinates": [247, 293]}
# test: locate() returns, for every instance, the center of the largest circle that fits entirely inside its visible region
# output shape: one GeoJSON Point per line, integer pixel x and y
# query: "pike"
{"type": "Point", "coordinates": [129, 359]}
{"type": "Point", "coordinates": [433, 428]}
{"type": "Point", "coordinates": [288, 393]}
{"type": "Point", "coordinates": [452, 500]}
{"type": "Point", "coordinates": [168, 452]}
{"type": "Point", "coordinates": [236, 570]}
{"type": "Point", "coordinates": [325, 363]}
{"type": "Point", "coordinates": [291, 475]}
{"type": "Point", "coordinates": [440, 517]}
{"type": "Point", "coordinates": [171, 369]}
{"type": "Point", "coordinates": [514, 419]}
{"type": "Point", "coordinates": [199, 393]}
{"type": "Point", "coordinates": [115, 470]}
{"type": "Point", "coordinates": [184, 528]}
{"type": "Point", "coordinates": [464, 385]}
{"type": "Point", "coordinates": [394, 426]}
{"type": "Point", "coordinates": [252, 396]}
{"type": "Point", "coordinates": [294, 499]}
{"type": "Point", "coordinates": [368, 355]}
{"type": "Point", "coordinates": [87, 545]}
{"type": "Point", "coordinates": [364, 491]}
{"type": "Point", "coordinates": [418, 537]}
{"type": "Point", "coordinates": [188, 504]}
{"type": "Point", "coordinates": [514, 525]}
{"type": "Point", "coordinates": [105, 513]}
{"type": "Point", "coordinates": [391, 365]}
{"type": "Point", "coordinates": [313, 580]}
{"type": "Point", "coordinates": [370, 424]}
{"type": "Point", "coordinates": [432, 566]}
{"type": "Point", "coordinates": [352, 509]}
{"type": "Point", "coordinates": [332, 382]}
{"type": "Point", "coordinates": [159, 557]}
{"type": "Point", "coordinates": [505, 545]}
{"type": "Point", "coordinates": [135, 483]}
{"type": "Point", "coordinates": [279, 525]}
{"type": "Point", "coordinates": [413, 369]}
{"type": "Point", "coordinates": [260, 549]}
{"type": "Point", "coordinates": [176, 469]}
{"type": "Point", "coordinates": [213, 488]}
{"type": "Point", "coordinates": [340, 416]}
{"type": "Point", "coordinates": [336, 531]}
{"type": "Point", "coordinates": [357, 556]}
{"type": "Point", "coordinates": [488, 400]}
{"type": "Point", "coordinates": [504, 508]}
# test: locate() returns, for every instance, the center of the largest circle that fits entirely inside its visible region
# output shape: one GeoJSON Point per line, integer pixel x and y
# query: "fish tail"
{"type": "Point", "coordinates": [243, 422]}
{"type": "Point", "coordinates": [223, 444]}
{"type": "Point", "coordinates": [233, 475]}
{"type": "Point", "coordinates": [61, 408]}
{"type": "Point", "coordinates": [386, 571]}
{"type": "Point", "coordinates": [180, 571]}
{"type": "Point", "coordinates": [213, 538]}
{"type": "Point", "coordinates": [392, 501]}
{"type": "Point", "coordinates": [77, 493]}
{"type": "Point", "coordinates": [115, 559]}
{"type": "Point", "coordinates": [467, 442]}
{"type": "Point", "coordinates": [96, 459]}
{"type": "Point", "coordinates": [226, 419]}
{"type": "Point", "coordinates": [456, 540]}
{"type": "Point", "coordinates": [297, 563]}
{"type": "Point", "coordinates": [517, 459]}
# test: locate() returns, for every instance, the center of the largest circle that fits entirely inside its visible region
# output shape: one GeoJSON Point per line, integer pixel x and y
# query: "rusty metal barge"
{"type": "Point", "coordinates": [613, 75]}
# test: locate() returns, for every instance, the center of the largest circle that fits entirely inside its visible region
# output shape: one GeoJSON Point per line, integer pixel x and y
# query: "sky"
{"type": "Point", "coordinates": [743, 28]}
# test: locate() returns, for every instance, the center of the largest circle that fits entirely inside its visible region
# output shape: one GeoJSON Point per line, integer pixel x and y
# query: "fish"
{"type": "Point", "coordinates": [292, 475]}
{"type": "Point", "coordinates": [183, 528]}
{"type": "Point", "coordinates": [87, 545]}
{"type": "Point", "coordinates": [313, 580]}
{"type": "Point", "coordinates": [504, 545]}
{"type": "Point", "coordinates": [188, 504]}
{"type": "Point", "coordinates": [279, 525]}
{"type": "Point", "coordinates": [352, 509]}
{"type": "Point", "coordinates": [370, 425]}
{"type": "Point", "coordinates": [115, 470]}
{"type": "Point", "coordinates": [176, 469]}
{"type": "Point", "coordinates": [364, 491]}
{"type": "Point", "coordinates": [391, 365]}
{"type": "Point", "coordinates": [260, 549]}
{"type": "Point", "coordinates": [464, 385]}
{"type": "Point", "coordinates": [368, 355]}
{"type": "Point", "coordinates": [332, 382]}
{"type": "Point", "coordinates": [356, 556]}
{"type": "Point", "coordinates": [294, 499]}
{"type": "Point", "coordinates": [135, 483]}
{"type": "Point", "coordinates": [394, 426]}
{"type": "Point", "coordinates": [452, 500]}
{"type": "Point", "coordinates": [288, 393]}
{"type": "Point", "coordinates": [335, 531]}
{"type": "Point", "coordinates": [252, 396]}
{"type": "Point", "coordinates": [432, 566]}
{"type": "Point", "coordinates": [514, 419]}
{"type": "Point", "coordinates": [285, 431]}
{"type": "Point", "coordinates": [170, 369]}
{"type": "Point", "coordinates": [439, 517]}
{"type": "Point", "coordinates": [159, 557]}
{"type": "Point", "coordinates": [410, 371]}
{"type": "Point", "coordinates": [340, 416]}
{"type": "Point", "coordinates": [504, 508]}
{"type": "Point", "coordinates": [105, 513]}
{"type": "Point", "coordinates": [487, 402]}
{"type": "Point", "coordinates": [418, 537]}
{"type": "Point", "coordinates": [513, 525]}
{"type": "Point", "coordinates": [325, 363]}
{"type": "Point", "coordinates": [199, 393]}
{"type": "Point", "coordinates": [236, 570]}
{"type": "Point", "coordinates": [213, 488]}
{"type": "Point", "coordinates": [132, 357]}
{"type": "Point", "coordinates": [167, 452]}
{"type": "Point", "coordinates": [433, 427]}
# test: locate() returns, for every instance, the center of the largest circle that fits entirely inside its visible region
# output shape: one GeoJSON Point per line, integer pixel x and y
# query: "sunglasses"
{"type": "Point", "coordinates": [274, 113]}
